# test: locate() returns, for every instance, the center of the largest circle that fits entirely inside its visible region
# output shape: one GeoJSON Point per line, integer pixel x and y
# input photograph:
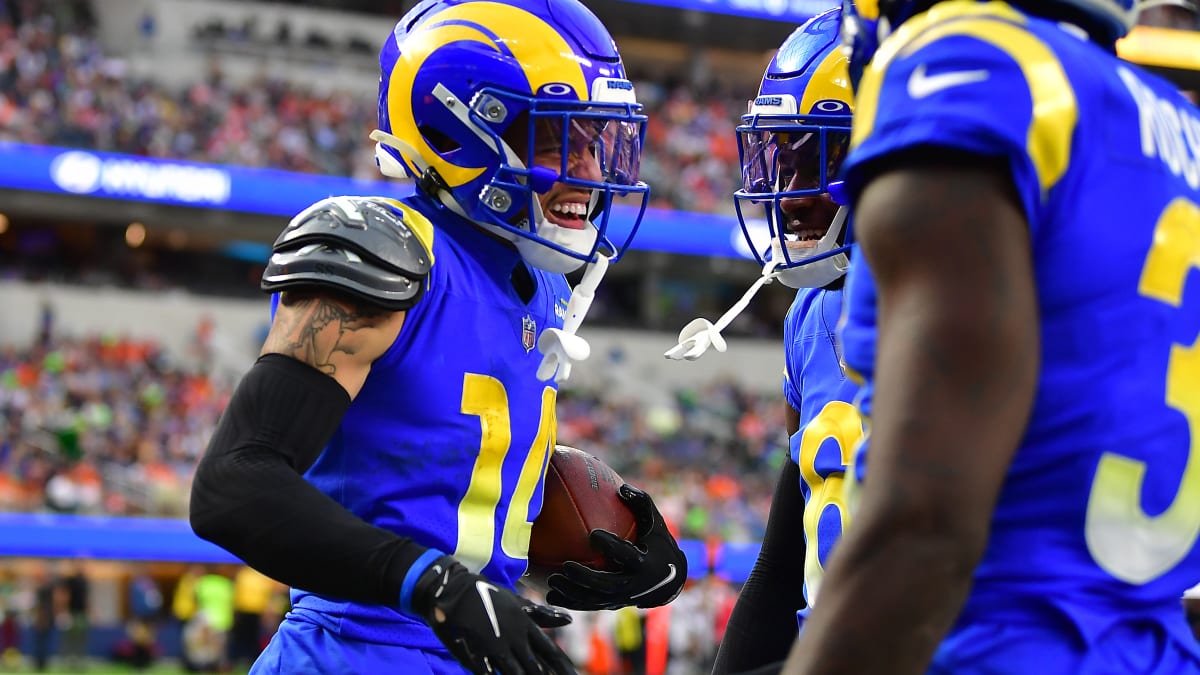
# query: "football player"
{"type": "Point", "coordinates": [791, 144]}
{"type": "Point", "coordinates": [1177, 14]}
{"type": "Point", "coordinates": [385, 456]}
{"type": "Point", "coordinates": [1174, 14]}
{"type": "Point", "coordinates": [1026, 313]}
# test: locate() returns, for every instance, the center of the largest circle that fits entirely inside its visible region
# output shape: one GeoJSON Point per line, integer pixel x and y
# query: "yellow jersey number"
{"type": "Point", "coordinates": [840, 422]}
{"type": "Point", "coordinates": [1123, 540]}
{"type": "Point", "coordinates": [485, 398]}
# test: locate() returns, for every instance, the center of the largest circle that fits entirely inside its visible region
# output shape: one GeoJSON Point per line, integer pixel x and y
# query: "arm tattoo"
{"type": "Point", "coordinates": [315, 328]}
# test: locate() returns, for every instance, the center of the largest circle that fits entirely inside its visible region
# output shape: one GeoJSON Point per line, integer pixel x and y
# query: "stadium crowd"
{"type": "Point", "coordinates": [111, 425]}
{"type": "Point", "coordinates": [58, 86]}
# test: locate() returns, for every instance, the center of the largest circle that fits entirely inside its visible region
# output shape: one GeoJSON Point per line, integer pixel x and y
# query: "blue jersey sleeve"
{"type": "Point", "coordinates": [973, 79]}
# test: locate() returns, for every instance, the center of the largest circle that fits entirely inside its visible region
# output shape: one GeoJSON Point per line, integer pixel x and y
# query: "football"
{"type": "Point", "coordinates": [580, 496]}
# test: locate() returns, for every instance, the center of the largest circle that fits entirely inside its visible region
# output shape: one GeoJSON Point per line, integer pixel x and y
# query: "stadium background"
{"type": "Point", "coordinates": [149, 151]}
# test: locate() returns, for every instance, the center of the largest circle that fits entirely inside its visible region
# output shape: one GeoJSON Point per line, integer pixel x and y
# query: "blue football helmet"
{"type": "Point", "coordinates": [457, 75]}
{"type": "Point", "coordinates": [867, 22]}
{"type": "Point", "coordinates": [791, 144]}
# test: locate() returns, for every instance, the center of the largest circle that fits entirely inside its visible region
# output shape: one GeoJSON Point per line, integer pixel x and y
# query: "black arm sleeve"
{"type": "Point", "coordinates": [763, 625]}
{"type": "Point", "coordinates": [249, 497]}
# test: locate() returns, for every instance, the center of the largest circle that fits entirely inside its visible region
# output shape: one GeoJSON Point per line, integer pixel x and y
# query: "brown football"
{"type": "Point", "coordinates": [580, 496]}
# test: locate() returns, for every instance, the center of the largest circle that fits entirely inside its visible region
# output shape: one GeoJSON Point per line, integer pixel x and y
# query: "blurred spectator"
{"type": "Point", "coordinates": [137, 649]}
{"type": "Point", "coordinates": [691, 647]}
{"type": "Point", "coordinates": [252, 596]}
{"type": "Point", "coordinates": [145, 612]}
{"type": "Point", "coordinates": [74, 616]}
{"type": "Point", "coordinates": [183, 601]}
{"type": "Point", "coordinates": [211, 623]}
{"type": "Point", "coordinates": [46, 603]}
{"type": "Point", "coordinates": [45, 325]}
{"type": "Point", "coordinates": [145, 598]}
{"type": "Point", "coordinates": [203, 645]}
{"type": "Point", "coordinates": [10, 637]}
{"type": "Point", "coordinates": [630, 639]}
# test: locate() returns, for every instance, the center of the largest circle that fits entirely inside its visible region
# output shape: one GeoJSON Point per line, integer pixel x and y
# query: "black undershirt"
{"type": "Point", "coordinates": [250, 498]}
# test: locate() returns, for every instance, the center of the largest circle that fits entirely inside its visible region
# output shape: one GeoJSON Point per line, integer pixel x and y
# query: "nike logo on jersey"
{"type": "Point", "coordinates": [655, 587]}
{"type": "Point", "coordinates": [921, 85]}
{"type": "Point", "coordinates": [485, 592]}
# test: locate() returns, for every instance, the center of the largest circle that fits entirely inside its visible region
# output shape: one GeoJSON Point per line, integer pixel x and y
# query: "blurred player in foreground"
{"type": "Point", "coordinates": [1177, 14]}
{"type": "Point", "coordinates": [1174, 14]}
{"type": "Point", "coordinates": [1025, 313]}
{"type": "Point", "coordinates": [399, 375]}
{"type": "Point", "coordinates": [792, 143]}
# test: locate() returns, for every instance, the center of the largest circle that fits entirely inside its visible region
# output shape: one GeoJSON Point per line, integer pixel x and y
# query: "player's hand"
{"type": "Point", "coordinates": [651, 573]}
{"type": "Point", "coordinates": [488, 628]}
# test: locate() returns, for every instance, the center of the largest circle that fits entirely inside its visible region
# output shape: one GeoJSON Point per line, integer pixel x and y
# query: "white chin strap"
{"type": "Point", "coordinates": [700, 334]}
{"type": "Point", "coordinates": [822, 272]}
{"type": "Point", "coordinates": [561, 347]}
{"type": "Point", "coordinates": [545, 258]}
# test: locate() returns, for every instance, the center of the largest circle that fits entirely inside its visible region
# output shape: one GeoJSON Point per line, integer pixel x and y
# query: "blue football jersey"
{"type": "Point", "coordinates": [448, 441]}
{"type": "Point", "coordinates": [815, 384]}
{"type": "Point", "coordinates": [1094, 537]}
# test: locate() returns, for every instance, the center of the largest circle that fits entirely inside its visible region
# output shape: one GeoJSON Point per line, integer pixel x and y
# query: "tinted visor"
{"type": "Point", "coordinates": [610, 139]}
{"type": "Point", "coordinates": [790, 155]}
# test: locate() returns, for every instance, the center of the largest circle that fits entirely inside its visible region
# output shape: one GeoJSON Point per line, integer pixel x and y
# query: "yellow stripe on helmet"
{"type": "Point", "coordinates": [418, 46]}
{"type": "Point", "coordinates": [830, 81]}
{"type": "Point", "coordinates": [534, 50]}
{"type": "Point", "coordinates": [537, 41]}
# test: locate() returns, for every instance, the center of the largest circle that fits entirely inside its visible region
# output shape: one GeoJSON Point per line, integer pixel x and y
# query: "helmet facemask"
{"type": "Point", "coordinates": [579, 158]}
{"type": "Point", "coordinates": [789, 163]}
{"type": "Point", "coordinates": [612, 133]}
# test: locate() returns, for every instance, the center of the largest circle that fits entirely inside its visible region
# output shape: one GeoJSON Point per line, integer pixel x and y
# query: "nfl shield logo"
{"type": "Point", "coordinates": [528, 332]}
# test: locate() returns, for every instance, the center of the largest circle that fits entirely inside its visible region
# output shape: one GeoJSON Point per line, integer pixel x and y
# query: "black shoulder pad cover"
{"type": "Point", "coordinates": [373, 248]}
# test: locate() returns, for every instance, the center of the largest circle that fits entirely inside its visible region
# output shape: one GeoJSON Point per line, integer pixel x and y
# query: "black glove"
{"type": "Point", "coordinates": [487, 628]}
{"type": "Point", "coordinates": [652, 572]}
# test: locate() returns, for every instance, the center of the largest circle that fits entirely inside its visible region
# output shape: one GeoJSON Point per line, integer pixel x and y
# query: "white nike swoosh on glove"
{"type": "Point", "coordinates": [485, 591]}
{"type": "Point", "coordinates": [655, 587]}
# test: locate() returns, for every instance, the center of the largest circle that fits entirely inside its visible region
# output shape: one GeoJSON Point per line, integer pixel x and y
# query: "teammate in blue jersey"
{"type": "Point", "coordinates": [791, 143]}
{"type": "Point", "coordinates": [1026, 315]}
{"type": "Point", "coordinates": [1174, 14]}
{"type": "Point", "coordinates": [386, 454]}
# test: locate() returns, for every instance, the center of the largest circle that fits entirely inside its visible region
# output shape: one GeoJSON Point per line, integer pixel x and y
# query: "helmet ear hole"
{"type": "Point", "coordinates": [439, 141]}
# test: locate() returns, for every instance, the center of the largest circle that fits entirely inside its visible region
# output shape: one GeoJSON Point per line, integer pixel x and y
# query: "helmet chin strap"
{"type": "Point", "coordinates": [390, 167]}
{"type": "Point", "coordinates": [821, 272]}
{"type": "Point", "coordinates": [561, 347]}
{"type": "Point", "coordinates": [700, 334]}
{"type": "Point", "coordinates": [696, 337]}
